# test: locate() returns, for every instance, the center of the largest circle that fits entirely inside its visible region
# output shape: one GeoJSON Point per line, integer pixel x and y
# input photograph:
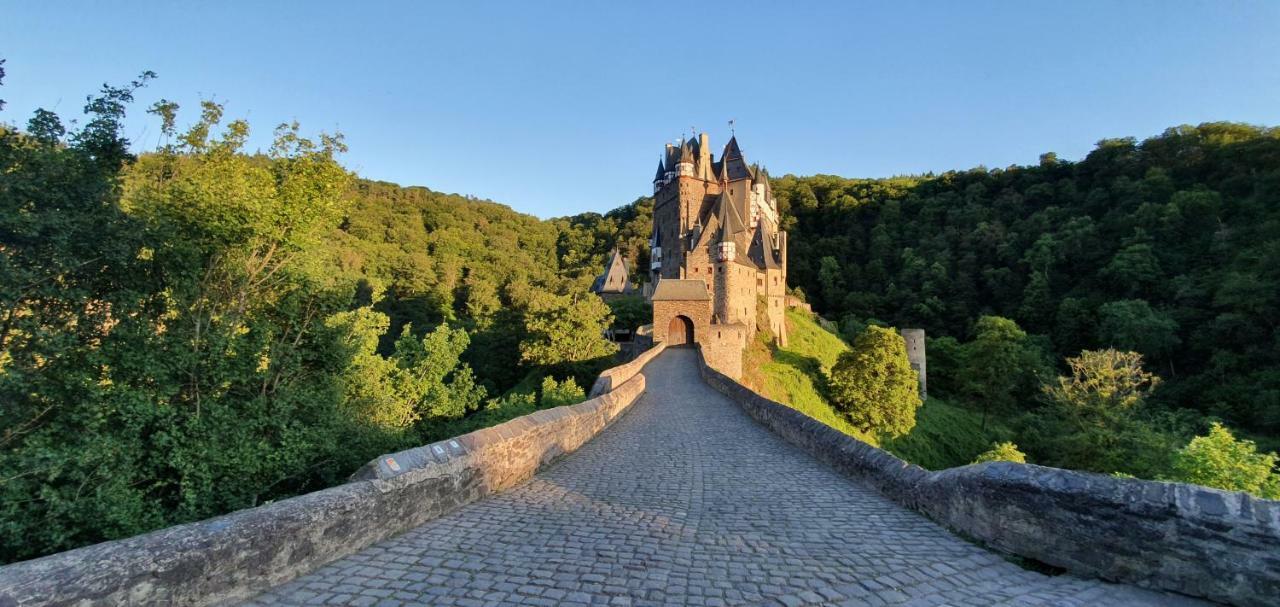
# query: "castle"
{"type": "Point", "coordinates": [718, 259]}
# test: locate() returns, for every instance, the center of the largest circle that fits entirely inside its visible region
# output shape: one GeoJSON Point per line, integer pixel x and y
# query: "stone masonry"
{"type": "Point", "coordinates": [1186, 538]}
{"type": "Point", "coordinates": [687, 501]}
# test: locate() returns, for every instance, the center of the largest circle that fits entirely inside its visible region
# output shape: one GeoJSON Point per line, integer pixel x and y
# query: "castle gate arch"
{"type": "Point", "coordinates": [680, 331]}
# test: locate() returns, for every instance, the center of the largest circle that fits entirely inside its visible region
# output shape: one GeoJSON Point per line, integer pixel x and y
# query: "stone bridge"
{"type": "Point", "coordinates": [675, 485]}
{"type": "Point", "coordinates": [686, 500]}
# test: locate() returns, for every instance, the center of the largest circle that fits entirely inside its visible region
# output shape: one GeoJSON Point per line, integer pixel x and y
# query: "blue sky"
{"type": "Point", "coordinates": [561, 107]}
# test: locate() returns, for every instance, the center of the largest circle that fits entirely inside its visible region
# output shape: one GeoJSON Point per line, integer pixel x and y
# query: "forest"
{"type": "Point", "coordinates": [1112, 314]}
{"type": "Point", "coordinates": [196, 328]}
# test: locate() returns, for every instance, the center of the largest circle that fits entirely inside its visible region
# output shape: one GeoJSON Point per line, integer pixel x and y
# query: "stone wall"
{"type": "Point", "coordinates": [239, 554]}
{"type": "Point", "coordinates": [722, 347]}
{"type": "Point", "coordinates": [622, 373]}
{"type": "Point", "coordinates": [1202, 542]}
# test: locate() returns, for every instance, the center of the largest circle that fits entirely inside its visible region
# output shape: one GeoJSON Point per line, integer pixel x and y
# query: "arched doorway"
{"type": "Point", "coordinates": [680, 331]}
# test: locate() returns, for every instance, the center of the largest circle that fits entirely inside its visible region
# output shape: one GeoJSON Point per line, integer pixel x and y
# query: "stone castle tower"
{"type": "Point", "coordinates": [718, 259]}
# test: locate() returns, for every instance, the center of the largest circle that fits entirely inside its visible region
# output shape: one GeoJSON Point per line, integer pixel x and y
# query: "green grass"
{"type": "Point", "coordinates": [793, 375]}
{"type": "Point", "coordinates": [945, 435]}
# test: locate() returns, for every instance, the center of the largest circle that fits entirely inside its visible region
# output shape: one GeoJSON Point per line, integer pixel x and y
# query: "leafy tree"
{"type": "Point", "coordinates": [630, 312]}
{"type": "Point", "coordinates": [1133, 325]}
{"type": "Point", "coordinates": [1001, 365]}
{"type": "Point", "coordinates": [946, 367]}
{"type": "Point", "coordinates": [1102, 383]}
{"type": "Point", "coordinates": [1002, 452]}
{"type": "Point", "coordinates": [832, 281]}
{"type": "Point", "coordinates": [562, 329]}
{"type": "Point", "coordinates": [874, 385]}
{"type": "Point", "coordinates": [1220, 460]}
{"type": "Point", "coordinates": [1095, 419]}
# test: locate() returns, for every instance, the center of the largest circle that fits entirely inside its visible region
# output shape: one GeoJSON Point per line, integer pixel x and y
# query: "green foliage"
{"type": "Point", "coordinates": [562, 329]}
{"type": "Point", "coordinates": [199, 330]}
{"type": "Point", "coordinates": [1220, 460]}
{"type": "Point", "coordinates": [1103, 384]}
{"type": "Point", "coordinates": [164, 340]}
{"type": "Point", "coordinates": [630, 312]}
{"type": "Point", "coordinates": [555, 394]}
{"type": "Point", "coordinates": [874, 385]}
{"type": "Point", "coordinates": [1185, 221]}
{"type": "Point", "coordinates": [1002, 452]}
{"type": "Point", "coordinates": [795, 375]}
{"type": "Point", "coordinates": [1001, 366]}
{"type": "Point", "coordinates": [946, 435]}
{"type": "Point", "coordinates": [1133, 325]}
{"type": "Point", "coordinates": [1096, 419]}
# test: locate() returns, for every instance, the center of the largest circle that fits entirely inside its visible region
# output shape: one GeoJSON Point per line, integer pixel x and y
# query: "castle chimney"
{"type": "Point", "coordinates": [704, 157]}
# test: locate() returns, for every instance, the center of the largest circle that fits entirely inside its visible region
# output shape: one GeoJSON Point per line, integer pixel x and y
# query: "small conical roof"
{"type": "Point", "coordinates": [662, 171]}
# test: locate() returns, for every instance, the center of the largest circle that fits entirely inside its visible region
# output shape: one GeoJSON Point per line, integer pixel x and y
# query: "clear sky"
{"type": "Point", "coordinates": [556, 108]}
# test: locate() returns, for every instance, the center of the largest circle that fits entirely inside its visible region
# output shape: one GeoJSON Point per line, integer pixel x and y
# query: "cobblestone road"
{"type": "Point", "coordinates": [687, 501]}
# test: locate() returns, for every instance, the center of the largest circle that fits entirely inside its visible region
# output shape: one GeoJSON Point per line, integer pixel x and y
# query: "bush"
{"type": "Point", "coordinates": [555, 394]}
{"type": "Point", "coordinates": [1220, 460]}
{"type": "Point", "coordinates": [874, 385]}
{"type": "Point", "coordinates": [1002, 452]}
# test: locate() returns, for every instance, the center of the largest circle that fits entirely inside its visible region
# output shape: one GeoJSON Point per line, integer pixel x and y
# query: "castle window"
{"type": "Point", "coordinates": [759, 282]}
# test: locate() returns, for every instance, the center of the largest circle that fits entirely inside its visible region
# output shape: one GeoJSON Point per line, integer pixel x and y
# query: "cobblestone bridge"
{"type": "Point", "coordinates": [687, 501]}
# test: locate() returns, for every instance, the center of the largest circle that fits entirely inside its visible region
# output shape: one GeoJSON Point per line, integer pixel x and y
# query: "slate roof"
{"type": "Point", "coordinates": [671, 289]}
{"type": "Point", "coordinates": [617, 268]}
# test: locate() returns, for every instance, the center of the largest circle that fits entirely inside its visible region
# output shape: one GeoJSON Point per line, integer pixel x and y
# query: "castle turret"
{"type": "Point", "coordinates": [660, 178]}
{"type": "Point", "coordinates": [685, 166]}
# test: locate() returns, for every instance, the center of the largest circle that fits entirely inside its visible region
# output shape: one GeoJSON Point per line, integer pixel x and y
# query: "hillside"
{"type": "Point", "coordinates": [945, 435]}
{"type": "Point", "coordinates": [1168, 246]}
{"type": "Point", "coordinates": [793, 375]}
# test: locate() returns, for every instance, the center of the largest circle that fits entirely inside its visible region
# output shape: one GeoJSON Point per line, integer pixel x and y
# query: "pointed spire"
{"type": "Point", "coordinates": [731, 149]}
{"type": "Point", "coordinates": [662, 172]}
{"type": "Point", "coordinates": [730, 219]}
{"type": "Point", "coordinates": [733, 166]}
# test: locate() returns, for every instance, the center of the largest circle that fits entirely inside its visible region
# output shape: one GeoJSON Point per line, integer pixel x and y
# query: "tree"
{"type": "Point", "coordinates": [562, 329]}
{"type": "Point", "coordinates": [874, 385]}
{"type": "Point", "coordinates": [1095, 419]}
{"type": "Point", "coordinates": [1001, 365]}
{"type": "Point", "coordinates": [630, 312]}
{"type": "Point", "coordinates": [832, 281]}
{"type": "Point", "coordinates": [1002, 452]}
{"type": "Point", "coordinates": [1220, 460]}
{"type": "Point", "coordinates": [1132, 324]}
{"type": "Point", "coordinates": [1102, 384]}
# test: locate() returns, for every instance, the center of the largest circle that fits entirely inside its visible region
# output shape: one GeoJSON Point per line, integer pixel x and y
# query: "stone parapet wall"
{"type": "Point", "coordinates": [1194, 540]}
{"type": "Point", "coordinates": [239, 554]}
{"type": "Point", "coordinates": [622, 373]}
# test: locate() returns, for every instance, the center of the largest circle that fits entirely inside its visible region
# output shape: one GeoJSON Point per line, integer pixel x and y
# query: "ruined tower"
{"type": "Point", "coordinates": [916, 356]}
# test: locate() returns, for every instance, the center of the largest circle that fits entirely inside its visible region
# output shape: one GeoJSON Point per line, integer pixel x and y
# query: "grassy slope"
{"type": "Point", "coordinates": [793, 375]}
{"type": "Point", "coordinates": [945, 435]}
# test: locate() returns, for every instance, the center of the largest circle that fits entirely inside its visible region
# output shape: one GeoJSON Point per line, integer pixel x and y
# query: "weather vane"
{"type": "Point", "coordinates": [731, 131]}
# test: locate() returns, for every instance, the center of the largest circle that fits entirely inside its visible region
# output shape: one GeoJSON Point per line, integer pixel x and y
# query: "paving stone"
{"type": "Point", "coordinates": [686, 500]}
